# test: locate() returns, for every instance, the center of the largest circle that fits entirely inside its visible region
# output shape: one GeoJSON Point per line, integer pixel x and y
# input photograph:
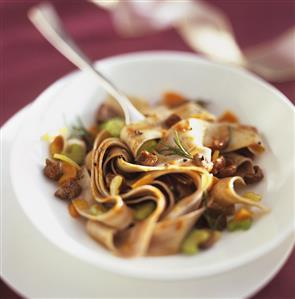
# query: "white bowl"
{"type": "Point", "coordinates": [148, 75]}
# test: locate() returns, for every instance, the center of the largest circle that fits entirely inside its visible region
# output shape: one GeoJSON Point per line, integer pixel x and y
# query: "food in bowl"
{"type": "Point", "coordinates": [162, 186]}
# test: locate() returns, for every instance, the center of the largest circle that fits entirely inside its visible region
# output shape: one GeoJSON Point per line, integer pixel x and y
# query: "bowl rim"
{"type": "Point", "coordinates": [133, 271]}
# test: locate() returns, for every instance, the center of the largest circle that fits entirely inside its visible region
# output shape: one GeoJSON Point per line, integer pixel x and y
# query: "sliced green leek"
{"type": "Point", "coordinates": [191, 243]}
{"type": "Point", "coordinates": [76, 151]}
{"type": "Point", "coordinates": [235, 225]}
{"type": "Point", "coordinates": [143, 210]}
{"type": "Point", "coordinates": [113, 126]}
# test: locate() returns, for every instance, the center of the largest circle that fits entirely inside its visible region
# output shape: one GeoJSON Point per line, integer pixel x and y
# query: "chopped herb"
{"type": "Point", "coordinates": [78, 130]}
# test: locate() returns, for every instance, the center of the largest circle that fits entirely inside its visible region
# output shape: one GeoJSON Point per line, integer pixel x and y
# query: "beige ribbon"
{"type": "Point", "coordinates": [207, 30]}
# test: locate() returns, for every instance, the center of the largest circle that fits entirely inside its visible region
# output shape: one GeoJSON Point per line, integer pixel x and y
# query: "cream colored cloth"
{"type": "Point", "coordinates": [205, 28]}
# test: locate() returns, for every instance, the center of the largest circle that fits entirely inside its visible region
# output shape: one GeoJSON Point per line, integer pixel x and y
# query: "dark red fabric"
{"type": "Point", "coordinates": [29, 64]}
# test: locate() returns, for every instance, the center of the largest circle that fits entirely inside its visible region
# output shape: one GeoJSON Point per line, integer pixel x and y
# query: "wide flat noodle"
{"type": "Point", "coordinates": [118, 216]}
{"type": "Point", "coordinates": [169, 234]}
{"type": "Point", "coordinates": [199, 135]}
{"type": "Point", "coordinates": [133, 241]}
{"type": "Point", "coordinates": [115, 226]}
{"type": "Point", "coordinates": [136, 134]}
{"type": "Point", "coordinates": [224, 194]}
{"type": "Point", "coordinates": [244, 136]}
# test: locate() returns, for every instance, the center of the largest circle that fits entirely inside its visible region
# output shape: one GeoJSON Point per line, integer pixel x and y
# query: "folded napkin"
{"type": "Point", "coordinates": [207, 30]}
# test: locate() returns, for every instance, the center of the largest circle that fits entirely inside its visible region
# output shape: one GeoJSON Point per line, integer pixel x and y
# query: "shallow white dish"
{"type": "Point", "coordinates": [148, 75]}
{"type": "Point", "coordinates": [23, 257]}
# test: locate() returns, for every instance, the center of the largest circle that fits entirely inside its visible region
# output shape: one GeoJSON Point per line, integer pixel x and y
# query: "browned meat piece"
{"type": "Point", "coordinates": [172, 120]}
{"type": "Point", "coordinates": [217, 209]}
{"type": "Point", "coordinates": [219, 164]}
{"type": "Point", "coordinates": [224, 167]}
{"type": "Point", "coordinates": [254, 177]}
{"type": "Point", "coordinates": [53, 169]}
{"type": "Point", "coordinates": [68, 190]}
{"type": "Point", "coordinates": [105, 112]}
{"type": "Point", "coordinates": [148, 159]}
{"type": "Point", "coordinates": [227, 171]}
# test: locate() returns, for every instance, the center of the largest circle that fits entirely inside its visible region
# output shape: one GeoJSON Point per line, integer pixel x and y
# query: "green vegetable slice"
{"type": "Point", "coordinates": [235, 225]}
{"type": "Point", "coordinates": [143, 210]}
{"type": "Point", "coordinates": [113, 126]}
{"type": "Point", "coordinates": [76, 152]}
{"type": "Point", "coordinates": [192, 241]}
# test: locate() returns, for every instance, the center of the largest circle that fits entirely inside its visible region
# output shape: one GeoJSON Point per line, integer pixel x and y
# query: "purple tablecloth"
{"type": "Point", "coordinates": [29, 64]}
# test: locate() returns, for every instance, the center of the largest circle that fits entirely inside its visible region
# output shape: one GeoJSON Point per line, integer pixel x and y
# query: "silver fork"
{"type": "Point", "coordinates": [46, 20]}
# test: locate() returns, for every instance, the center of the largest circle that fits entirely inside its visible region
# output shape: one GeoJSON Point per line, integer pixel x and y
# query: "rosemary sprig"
{"type": "Point", "coordinates": [178, 149]}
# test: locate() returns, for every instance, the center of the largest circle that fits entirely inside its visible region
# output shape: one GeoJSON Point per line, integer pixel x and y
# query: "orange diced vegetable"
{"type": "Point", "coordinates": [69, 172]}
{"type": "Point", "coordinates": [229, 117]}
{"type": "Point", "coordinates": [57, 145]}
{"type": "Point", "coordinates": [243, 214]}
{"type": "Point", "coordinates": [72, 211]}
{"type": "Point", "coordinates": [172, 99]}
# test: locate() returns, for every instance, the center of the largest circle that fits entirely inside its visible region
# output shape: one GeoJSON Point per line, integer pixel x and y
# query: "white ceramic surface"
{"type": "Point", "coordinates": [148, 75]}
{"type": "Point", "coordinates": [36, 268]}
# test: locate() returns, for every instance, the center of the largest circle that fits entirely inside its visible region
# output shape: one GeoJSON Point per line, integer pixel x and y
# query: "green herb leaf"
{"type": "Point", "coordinates": [78, 130]}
